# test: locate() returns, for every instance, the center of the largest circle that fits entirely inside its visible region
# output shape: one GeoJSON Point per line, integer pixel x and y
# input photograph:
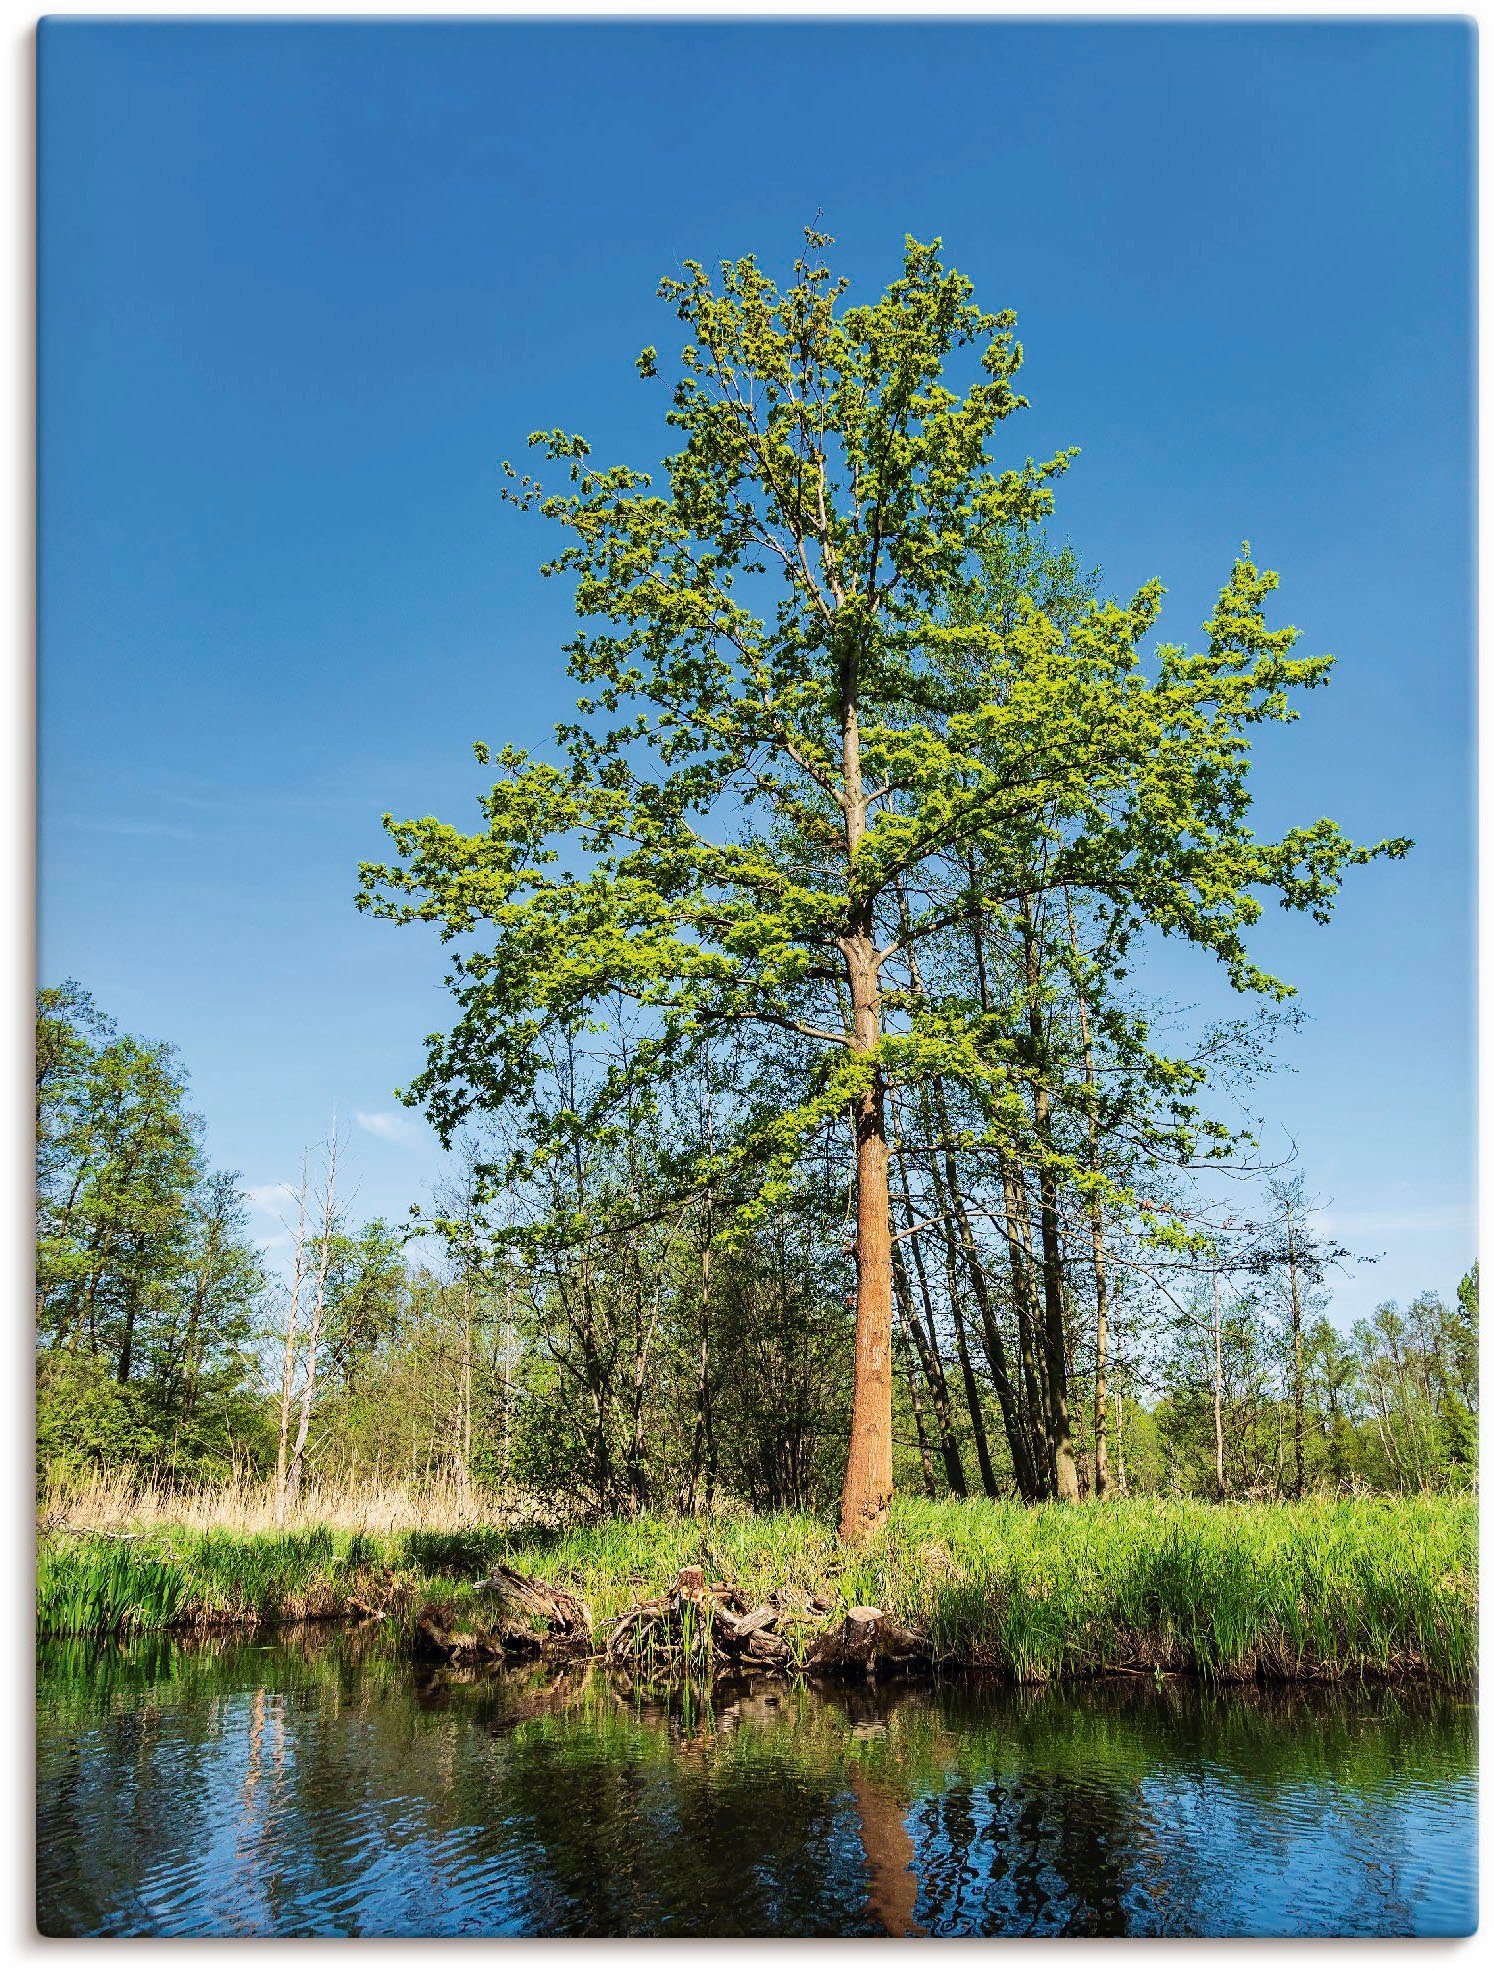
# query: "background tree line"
{"type": "Point", "coordinates": [595, 1341]}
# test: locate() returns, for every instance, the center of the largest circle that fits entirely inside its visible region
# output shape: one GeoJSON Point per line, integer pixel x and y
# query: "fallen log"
{"type": "Point", "coordinates": [739, 1627]}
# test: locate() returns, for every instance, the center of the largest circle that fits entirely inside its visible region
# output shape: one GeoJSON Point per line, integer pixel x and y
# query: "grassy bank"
{"type": "Point", "coordinates": [1382, 1587]}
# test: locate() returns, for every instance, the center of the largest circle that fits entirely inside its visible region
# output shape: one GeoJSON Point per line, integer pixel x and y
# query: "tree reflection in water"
{"type": "Point", "coordinates": [320, 1785]}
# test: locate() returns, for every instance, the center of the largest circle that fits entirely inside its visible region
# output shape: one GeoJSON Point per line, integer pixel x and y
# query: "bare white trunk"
{"type": "Point", "coordinates": [1218, 1392]}
{"type": "Point", "coordinates": [288, 1373]}
{"type": "Point", "coordinates": [466, 1383]}
{"type": "Point", "coordinates": [324, 1244]}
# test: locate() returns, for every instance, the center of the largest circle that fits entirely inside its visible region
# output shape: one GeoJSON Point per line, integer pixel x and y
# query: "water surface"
{"type": "Point", "coordinates": [323, 1786]}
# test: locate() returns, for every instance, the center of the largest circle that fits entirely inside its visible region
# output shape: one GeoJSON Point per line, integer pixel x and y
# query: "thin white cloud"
{"type": "Point", "coordinates": [117, 825]}
{"type": "Point", "coordinates": [270, 1198]}
{"type": "Point", "coordinates": [392, 1125]}
{"type": "Point", "coordinates": [1395, 1218]}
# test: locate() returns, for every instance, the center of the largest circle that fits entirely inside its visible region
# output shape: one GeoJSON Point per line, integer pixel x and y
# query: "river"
{"type": "Point", "coordinates": [323, 1786]}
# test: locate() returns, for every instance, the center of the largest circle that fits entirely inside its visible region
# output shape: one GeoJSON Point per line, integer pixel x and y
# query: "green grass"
{"type": "Point", "coordinates": [1383, 1587]}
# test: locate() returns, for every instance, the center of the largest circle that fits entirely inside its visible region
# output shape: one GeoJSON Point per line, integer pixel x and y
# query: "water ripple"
{"type": "Point", "coordinates": [231, 1790]}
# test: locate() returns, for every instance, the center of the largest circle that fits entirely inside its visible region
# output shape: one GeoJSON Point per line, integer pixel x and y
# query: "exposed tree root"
{"type": "Point", "coordinates": [519, 1617]}
{"type": "Point", "coordinates": [697, 1622]}
{"type": "Point", "coordinates": [695, 1626]}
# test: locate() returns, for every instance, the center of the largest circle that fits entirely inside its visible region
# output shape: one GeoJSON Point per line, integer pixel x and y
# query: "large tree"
{"type": "Point", "coordinates": [790, 732]}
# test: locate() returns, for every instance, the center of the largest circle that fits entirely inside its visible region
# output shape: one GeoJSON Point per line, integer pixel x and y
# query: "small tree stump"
{"type": "Point", "coordinates": [866, 1641]}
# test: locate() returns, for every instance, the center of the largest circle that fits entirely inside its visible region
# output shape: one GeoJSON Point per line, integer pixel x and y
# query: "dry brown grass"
{"type": "Point", "coordinates": [116, 1503]}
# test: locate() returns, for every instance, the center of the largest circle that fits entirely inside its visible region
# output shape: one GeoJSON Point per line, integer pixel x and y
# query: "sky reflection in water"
{"type": "Point", "coordinates": [322, 1786]}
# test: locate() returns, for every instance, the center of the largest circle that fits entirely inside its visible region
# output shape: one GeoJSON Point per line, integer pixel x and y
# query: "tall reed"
{"type": "Point", "coordinates": [1322, 1588]}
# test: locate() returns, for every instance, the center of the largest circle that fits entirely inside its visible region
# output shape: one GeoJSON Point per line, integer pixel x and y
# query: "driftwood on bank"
{"type": "Point", "coordinates": [698, 1621]}
{"type": "Point", "coordinates": [695, 1624]}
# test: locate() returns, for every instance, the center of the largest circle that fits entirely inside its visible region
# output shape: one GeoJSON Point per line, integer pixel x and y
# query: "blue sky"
{"type": "Point", "coordinates": [304, 286]}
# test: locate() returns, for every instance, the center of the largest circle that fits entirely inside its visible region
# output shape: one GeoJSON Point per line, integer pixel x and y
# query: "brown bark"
{"type": "Point", "coordinates": [868, 1482]}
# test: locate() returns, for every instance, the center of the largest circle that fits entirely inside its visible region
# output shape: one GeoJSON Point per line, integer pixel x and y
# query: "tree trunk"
{"type": "Point", "coordinates": [292, 1338]}
{"type": "Point", "coordinates": [190, 1366]}
{"type": "Point", "coordinates": [466, 1480]}
{"type": "Point", "coordinates": [1055, 1348]}
{"type": "Point", "coordinates": [925, 1461]}
{"type": "Point", "coordinates": [638, 1474]}
{"type": "Point", "coordinates": [950, 1199]}
{"type": "Point", "coordinates": [1032, 1460]}
{"type": "Point", "coordinates": [933, 1371]}
{"type": "Point", "coordinates": [1218, 1391]}
{"type": "Point", "coordinates": [868, 1484]}
{"type": "Point", "coordinates": [1297, 1372]}
{"type": "Point", "coordinates": [967, 1371]}
{"type": "Point", "coordinates": [1024, 1298]}
{"type": "Point", "coordinates": [127, 1342]}
{"type": "Point", "coordinates": [703, 1443]}
{"type": "Point", "coordinates": [1096, 1218]}
{"type": "Point", "coordinates": [314, 1329]}
{"type": "Point", "coordinates": [1006, 1396]}
{"type": "Point", "coordinates": [506, 1376]}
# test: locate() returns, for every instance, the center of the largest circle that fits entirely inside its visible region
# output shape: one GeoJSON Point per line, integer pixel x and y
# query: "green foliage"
{"type": "Point", "coordinates": [792, 716]}
{"type": "Point", "coordinates": [147, 1286]}
{"type": "Point", "coordinates": [1318, 1588]}
{"type": "Point", "coordinates": [1415, 1395]}
{"type": "Point", "coordinates": [1390, 1406]}
{"type": "Point", "coordinates": [86, 1418]}
{"type": "Point", "coordinates": [873, 802]}
{"type": "Point", "coordinates": [366, 1288]}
